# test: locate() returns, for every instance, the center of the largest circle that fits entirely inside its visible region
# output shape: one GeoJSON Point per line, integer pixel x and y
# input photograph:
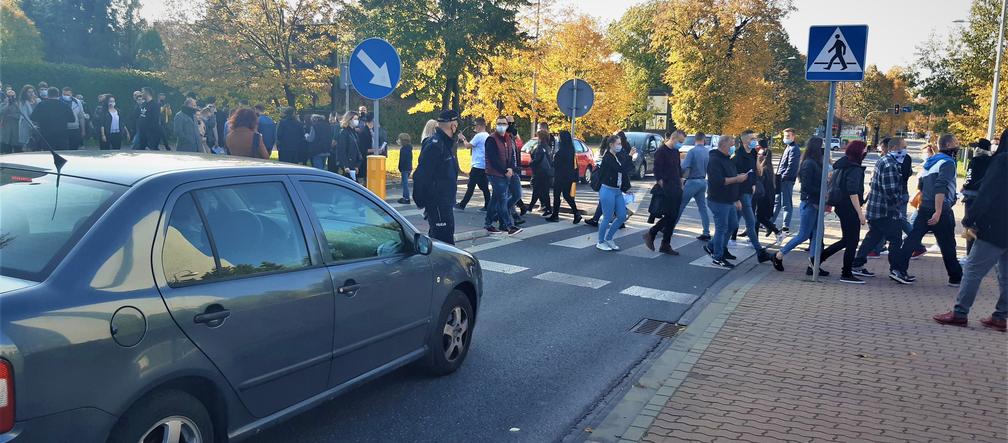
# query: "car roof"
{"type": "Point", "coordinates": [128, 167]}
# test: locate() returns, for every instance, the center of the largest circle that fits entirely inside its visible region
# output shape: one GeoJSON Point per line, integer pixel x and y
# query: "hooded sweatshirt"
{"type": "Point", "coordinates": [987, 213]}
{"type": "Point", "coordinates": [852, 176]}
{"type": "Point", "coordinates": [938, 177]}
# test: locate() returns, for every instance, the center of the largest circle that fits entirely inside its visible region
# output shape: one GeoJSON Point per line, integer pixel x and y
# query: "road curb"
{"type": "Point", "coordinates": [630, 418]}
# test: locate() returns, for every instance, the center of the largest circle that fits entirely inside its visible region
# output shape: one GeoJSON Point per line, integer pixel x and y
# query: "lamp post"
{"type": "Point", "coordinates": [991, 119]}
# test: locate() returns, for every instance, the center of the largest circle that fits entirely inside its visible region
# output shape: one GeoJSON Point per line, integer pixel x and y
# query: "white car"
{"type": "Point", "coordinates": [834, 144]}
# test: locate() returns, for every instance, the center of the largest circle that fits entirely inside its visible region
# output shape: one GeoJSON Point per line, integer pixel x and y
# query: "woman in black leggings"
{"type": "Point", "coordinates": [564, 176]}
{"type": "Point", "coordinates": [847, 195]}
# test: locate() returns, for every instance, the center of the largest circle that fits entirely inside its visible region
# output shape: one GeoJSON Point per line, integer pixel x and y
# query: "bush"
{"type": "Point", "coordinates": [89, 82]}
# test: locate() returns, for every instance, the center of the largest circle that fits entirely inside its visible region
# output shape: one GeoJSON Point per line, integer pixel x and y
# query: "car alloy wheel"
{"type": "Point", "coordinates": [455, 335]}
{"type": "Point", "coordinates": [587, 175]}
{"type": "Point", "coordinates": [175, 429]}
{"type": "Point", "coordinates": [642, 171]}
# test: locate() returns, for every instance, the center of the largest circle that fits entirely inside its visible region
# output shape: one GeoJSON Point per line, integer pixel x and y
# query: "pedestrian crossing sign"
{"type": "Point", "coordinates": [836, 53]}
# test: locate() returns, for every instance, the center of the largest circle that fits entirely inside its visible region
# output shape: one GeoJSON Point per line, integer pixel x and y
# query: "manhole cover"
{"type": "Point", "coordinates": [658, 328]}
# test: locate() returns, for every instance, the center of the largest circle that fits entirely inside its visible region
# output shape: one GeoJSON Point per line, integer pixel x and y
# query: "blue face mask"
{"type": "Point", "coordinates": [752, 144]}
{"type": "Point", "coordinates": [678, 145]}
{"type": "Point", "coordinates": [731, 151]}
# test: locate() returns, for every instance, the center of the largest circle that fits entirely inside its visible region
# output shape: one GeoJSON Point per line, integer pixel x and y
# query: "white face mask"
{"type": "Point", "coordinates": [355, 122]}
{"type": "Point", "coordinates": [788, 140]}
{"type": "Point", "coordinates": [501, 129]}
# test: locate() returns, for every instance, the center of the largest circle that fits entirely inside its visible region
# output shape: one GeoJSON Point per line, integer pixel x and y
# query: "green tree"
{"type": "Point", "coordinates": [88, 32]}
{"type": "Point", "coordinates": [445, 42]}
{"type": "Point", "coordinates": [804, 101]}
{"type": "Point", "coordinates": [643, 64]}
{"type": "Point", "coordinates": [19, 39]}
{"type": "Point", "coordinates": [150, 52]}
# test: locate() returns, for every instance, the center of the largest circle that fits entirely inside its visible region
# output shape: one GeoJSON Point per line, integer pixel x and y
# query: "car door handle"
{"type": "Point", "coordinates": [213, 316]}
{"type": "Point", "coordinates": [349, 288]}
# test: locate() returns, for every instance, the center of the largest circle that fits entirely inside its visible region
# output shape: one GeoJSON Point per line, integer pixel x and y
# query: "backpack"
{"type": "Point", "coordinates": [596, 179]}
{"type": "Point", "coordinates": [835, 192]}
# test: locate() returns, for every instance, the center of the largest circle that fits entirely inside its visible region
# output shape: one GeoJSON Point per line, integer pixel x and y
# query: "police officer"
{"type": "Point", "coordinates": [435, 178]}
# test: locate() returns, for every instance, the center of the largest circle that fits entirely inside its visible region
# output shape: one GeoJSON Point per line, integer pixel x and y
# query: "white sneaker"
{"type": "Point", "coordinates": [732, 244]}
{"type": "Point", "coordinates": [612, 245]}
{"type": "Point", "coordinates": [603, 247]}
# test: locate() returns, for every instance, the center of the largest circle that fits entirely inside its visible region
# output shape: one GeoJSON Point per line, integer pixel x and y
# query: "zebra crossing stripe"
{"type": "Point", "coordinates": [502, 268]}
{"type": "Point", "coordinates": [642, 251]}
{"type": "Point", "coordinates": [657, 294]}
{"type": "Point", "coordinates": [576, 280]}
{"type": "Point", "coordinates": [584, 241]}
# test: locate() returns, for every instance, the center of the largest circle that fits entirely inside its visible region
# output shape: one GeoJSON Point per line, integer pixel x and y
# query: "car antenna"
{"type": "Point", "coordinates": [58, 160]}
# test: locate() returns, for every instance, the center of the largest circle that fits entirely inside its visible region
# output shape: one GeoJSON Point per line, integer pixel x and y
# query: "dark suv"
{"type": "Point", "coordinates": [197, 298]}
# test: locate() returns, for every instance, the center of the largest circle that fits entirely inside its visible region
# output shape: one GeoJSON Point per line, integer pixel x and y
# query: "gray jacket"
{"type": "Point", "coordinates": [186, 133]}
{"type": "Point", "coordinates": [938, 177]}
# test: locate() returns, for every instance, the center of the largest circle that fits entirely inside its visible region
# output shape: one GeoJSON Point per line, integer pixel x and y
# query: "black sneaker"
{"type": "Point", "coordinates": [862, 272]}
{"type": "Point", "coordinates": [708, 250]}
{"type": "Point", "coordinates": [822, 272]}
{"type": "Point", "coordinates": [742, 234]}
{"type": "Point", "coordinates": [723, 264]}
{"type": "Point", "coordinates": [785, 230]}
{"type": "Point", "coordinates": [514, 230]}
{"type": "Point", "coordinates": [851, 279]}
{"type": "Point", "coordinates": [729, 256]}
{"type": "Point", "coordinates": [591, 222]}
{"type": "Point", "coordinates": [778, 264]}
{"type": "Point", "coordinates": [459, 207]}
{"type": "Point", "coordinates": [703, 237]}
{"type": "Point", "coordinates": [955, 283]}
{"type": "Point", "coordinates": [404, 201]}
{"type": "Point", "coordinates": [762, 256]}
{"type": "Point", "coordinates": [900, 277]}
{"type": "Point", "coordinates": [492, 229]}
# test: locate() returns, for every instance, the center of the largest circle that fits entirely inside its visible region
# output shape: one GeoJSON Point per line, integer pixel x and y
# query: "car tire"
{"type": "Point", "coordinates": [161, 411]}
{"type": "Point", "coordinates": [587, 176]}
{"type": "Point", "coordinates": [642, 171]}
{"type": "Point", "coordinates": [451, 337]}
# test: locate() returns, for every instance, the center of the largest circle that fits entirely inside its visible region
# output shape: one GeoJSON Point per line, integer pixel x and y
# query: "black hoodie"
{"type": "Point", "coordinates": [987, 213]}
{"type": "Point", "coordinates": [719, 169]}
{"type": "Point", "coordinates": [852, 175]}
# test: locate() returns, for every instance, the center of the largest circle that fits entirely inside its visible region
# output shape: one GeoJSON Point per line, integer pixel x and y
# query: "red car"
{"type": "Point", "coordinates": [583, 156]}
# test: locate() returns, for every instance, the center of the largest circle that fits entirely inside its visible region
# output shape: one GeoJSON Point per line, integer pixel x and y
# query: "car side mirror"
{"type": "Point", "coordinates": [423, 243]}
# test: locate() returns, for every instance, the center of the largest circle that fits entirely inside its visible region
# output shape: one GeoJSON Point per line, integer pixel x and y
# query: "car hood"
{"type": "Point", "coordinates": [9, 284]}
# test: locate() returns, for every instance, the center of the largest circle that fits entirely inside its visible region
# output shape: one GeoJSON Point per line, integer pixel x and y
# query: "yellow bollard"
{"type": "Point", "coordinates": [376, 175]}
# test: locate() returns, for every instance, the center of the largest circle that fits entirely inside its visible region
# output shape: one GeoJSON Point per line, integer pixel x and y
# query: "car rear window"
{"type": "Point", "coordinates": [579, 147]}
{"type": "Point", "coordinates": [40, 223]}
{"type": "Point", "coordinates": [690, 140]}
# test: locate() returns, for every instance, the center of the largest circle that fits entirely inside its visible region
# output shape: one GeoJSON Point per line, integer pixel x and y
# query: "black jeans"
{"type": "Point", "coordinates": [114, 141]}
{"type": "Point", "coordinates": [477, 177]}
{"type": "Point", "coordinates": [944, 233]}
{"type": "Point", "coordinates": [850, 225]}
{"type": "Point", "coordinates": [670, 210]}
{"type": "Point", "coordinates": [563, 188]}
{"type": "Point", "coordinates": [541, 185]}
{"type": "Point", "coordinates": [881, 230]}
{"type": "Point", "coordinates": [442, 223]}
{"type": "Point", "coordinates": [967, 203]}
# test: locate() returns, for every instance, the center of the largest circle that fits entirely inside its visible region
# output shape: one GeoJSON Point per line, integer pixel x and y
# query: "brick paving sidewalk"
{"type": "Point", "coordinates": [803, 361]}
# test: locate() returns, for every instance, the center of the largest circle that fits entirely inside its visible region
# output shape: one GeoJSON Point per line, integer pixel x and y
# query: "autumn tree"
{"type": "Point", "coordinates": [573, 48]}
{"type": "Point", "coordinates": [716, 56]}
{"type": "Point", "coordinates": [444, 42]}
{"type": "Point", "coordinates": [262, 48]}
{"type": "Point", "coordinates": [19, 39]}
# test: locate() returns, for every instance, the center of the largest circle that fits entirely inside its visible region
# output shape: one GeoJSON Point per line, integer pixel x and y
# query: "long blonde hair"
{"type": "Point", "coordinates": [428, 129]}
{"type": "Point", "coordinates": [347, 119]}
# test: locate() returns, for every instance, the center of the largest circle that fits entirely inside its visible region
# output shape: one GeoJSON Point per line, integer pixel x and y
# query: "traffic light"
{"type": "Point", "coordinates": [896, 109]}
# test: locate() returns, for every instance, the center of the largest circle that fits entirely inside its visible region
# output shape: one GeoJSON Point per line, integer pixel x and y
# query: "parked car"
{"type": "Point", "coordinates": [151, 295]}
{"type": "Point", "coordinates": [646, 144]}
{"type": "Point", "coordinates": [834, 144]}
{"type": "Point", "coordinates": [690, 143]}
{"type": "Point", "coordinates": [582, 156]}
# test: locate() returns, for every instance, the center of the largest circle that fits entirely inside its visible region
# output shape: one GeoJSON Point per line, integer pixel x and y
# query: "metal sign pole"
{"type": "Point", "coordinates": [574, 107]}
{"type": "Point", "coordinates": [821, 216]}
{"type": "Point", "coordinates": [376, 132]}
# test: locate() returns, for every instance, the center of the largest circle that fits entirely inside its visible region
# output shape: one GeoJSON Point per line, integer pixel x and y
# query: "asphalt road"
{"type": "Point", "coordinates": [552, 338]}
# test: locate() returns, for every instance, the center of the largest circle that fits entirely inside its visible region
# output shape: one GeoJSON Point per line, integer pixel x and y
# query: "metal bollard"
{"type": "Point", "coordinates": [376, 175]}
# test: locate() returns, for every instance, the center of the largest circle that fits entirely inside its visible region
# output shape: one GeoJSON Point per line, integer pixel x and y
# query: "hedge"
{"type": "Point", "coordinates": [89, 82]}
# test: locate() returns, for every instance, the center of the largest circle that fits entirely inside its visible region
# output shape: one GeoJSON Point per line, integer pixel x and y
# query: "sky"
{"type": "Point", "coordinates": [896, 27]}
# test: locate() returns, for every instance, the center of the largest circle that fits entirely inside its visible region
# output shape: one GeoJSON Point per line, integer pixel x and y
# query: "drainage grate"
{"type": "Point", "coordinates": [658, 328]}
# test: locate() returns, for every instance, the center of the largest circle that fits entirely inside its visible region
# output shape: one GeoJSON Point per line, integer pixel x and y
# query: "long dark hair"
{"type": "Point", "coordinates": [623, 140]}
{"type": "Point", "coordinates": [813, 150]}
{"type": "Point", "coordinates": [24, 92]}
{"type": "Point", "coordinates": [767, 162]}
{"type": "Point", "coordinates": [566, 141]}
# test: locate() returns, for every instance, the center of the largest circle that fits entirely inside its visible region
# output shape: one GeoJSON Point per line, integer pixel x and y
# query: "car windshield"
{"type": "Point", "coordinates": [529, 146]}
{"type": "Point", "coordinates": [690, 140]}
{"type": "Point", "coordinates": [36, 229]}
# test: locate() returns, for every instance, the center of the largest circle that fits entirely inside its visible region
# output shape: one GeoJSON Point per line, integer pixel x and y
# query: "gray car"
{"type": "Point", "coordinates": [199, 298]}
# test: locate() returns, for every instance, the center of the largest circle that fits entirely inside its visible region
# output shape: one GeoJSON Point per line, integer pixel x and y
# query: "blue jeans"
{"type": "Point", "coordinates": [981, 259]}
{"type": "Point", "coordinates": [784, 201]}
{"type": "Point", "coordinates": [136, 141]}
{"type": "Point", "coordinates": [611, 200]}
{"type": "Point", "coordinates": [809, 217]}
{"type": "Point", "coordinates": [725, 222]}
{"type": "Point", "coordinates": [752, 228]}
{"type": "Point", "coordinates": [405, 184]}
{"type": "Point", "coordinates": [318, 161]}
{"type": "Point", "coordinates": [514, 192]}
{"type": "Point", "coordinates": [497, 209]}
{"type": "Point", "coordinates": [696, 189]}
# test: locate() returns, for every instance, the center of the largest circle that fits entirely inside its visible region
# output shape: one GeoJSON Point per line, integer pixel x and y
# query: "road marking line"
{"type": "Point", "coordinates": [657, 294]}
{"type": "Point", "coordinates": [531, 231]}
{"type": "Point", "coordinates": [503, 268]}
{"type": "Point", "coordinates": [591, 239]}
{"type": "Point", "coordinates": [576, 280]}
{"type": "Point", "coordinates": [642, 251]}
{"type": "Point", "coordinates": [741, 253]}
{"type": "Point", "coordinates": [493, 244]}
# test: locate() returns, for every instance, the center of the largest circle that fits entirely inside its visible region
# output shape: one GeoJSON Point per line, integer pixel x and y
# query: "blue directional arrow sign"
{"type": "Point", "coordinates": [375, 68]}
{"type": "Point", "coordinates": [836, 53]}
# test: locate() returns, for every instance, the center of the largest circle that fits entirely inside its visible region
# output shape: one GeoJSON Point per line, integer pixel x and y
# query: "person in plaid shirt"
{"type": "Point", "coordinates": [884, 214]}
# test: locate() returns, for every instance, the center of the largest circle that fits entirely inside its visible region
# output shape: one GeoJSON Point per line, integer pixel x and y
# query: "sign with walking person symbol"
{"type": "Point", "coordinates": [836, 53]}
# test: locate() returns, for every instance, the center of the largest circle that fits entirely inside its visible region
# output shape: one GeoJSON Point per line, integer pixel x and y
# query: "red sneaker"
{"type": "Point", "coordinates": [949, 318]}
{"type": "Point", "coordinates": [874, 254]}
{"type": "Point", "coordinates": [996, 324]}
{"type": "Point", "coordinates": [918, 252]}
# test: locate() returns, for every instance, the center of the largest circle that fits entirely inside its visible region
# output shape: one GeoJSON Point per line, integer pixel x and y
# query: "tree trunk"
{"type": "Point", "coordinates": [289, 95]}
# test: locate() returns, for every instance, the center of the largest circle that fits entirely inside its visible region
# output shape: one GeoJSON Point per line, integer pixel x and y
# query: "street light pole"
{"type": "Point", "coordinates": [997, 73]}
